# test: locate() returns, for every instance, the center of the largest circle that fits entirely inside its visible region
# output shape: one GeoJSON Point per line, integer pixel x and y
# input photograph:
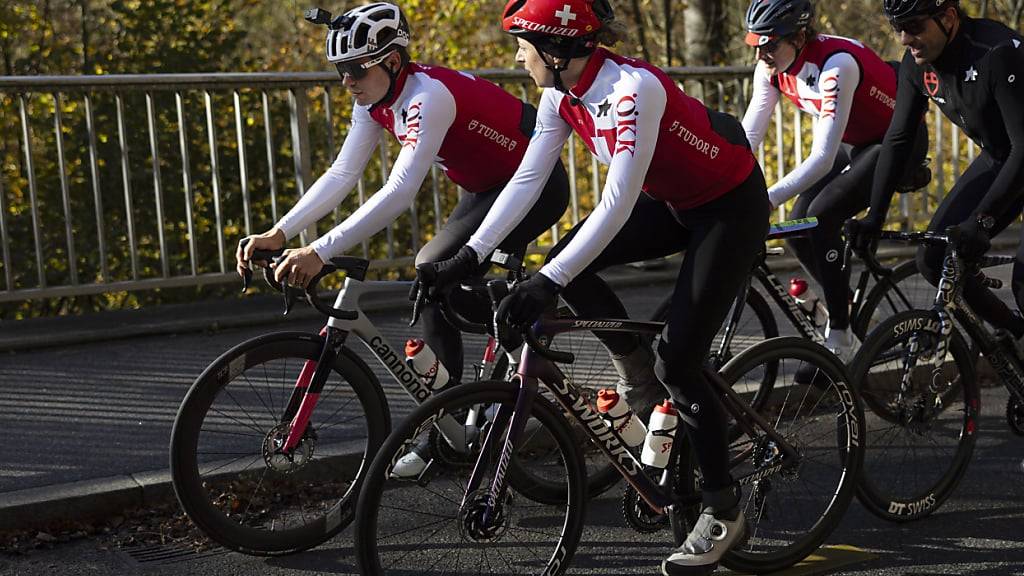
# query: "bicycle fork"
{"type": "Point", "coordinates": [308, 386]}
{"type": "Point", "coordinates": [519, 414]}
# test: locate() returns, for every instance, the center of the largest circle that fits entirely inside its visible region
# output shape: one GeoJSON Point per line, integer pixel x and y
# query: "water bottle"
{"type": "Point", "coordinates": [660, 432]}
{"type": "Point", "coordinates": [616, 414]}
{"type": "Point", "coordinates": [424, 363]}
{"type": "Point", "coordinates": [808, 300]}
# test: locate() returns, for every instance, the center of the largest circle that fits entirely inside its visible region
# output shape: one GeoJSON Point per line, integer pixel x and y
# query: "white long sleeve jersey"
{"type": "Point", "coordinates": [653, 137]}
{"type": "Point", "coordinates": [472, 129]}
{"type": "Point", "coordinates": [834, 79]}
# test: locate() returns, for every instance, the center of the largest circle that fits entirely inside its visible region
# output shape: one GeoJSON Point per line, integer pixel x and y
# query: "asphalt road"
{"type": "Point", "coordinates": [979, 531]}
{"type": "Point", "coordinates": [105, 408]}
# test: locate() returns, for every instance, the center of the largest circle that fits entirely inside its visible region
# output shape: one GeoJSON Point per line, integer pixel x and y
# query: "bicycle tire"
{"type": "Point", "coordinates": [230, 505]}
{"type": "Point", "coordinates": [774, 518]}
{"type": "Point", "coordinates": [382, 517]}
{"type": "Point", "coordinates": [926, 478]}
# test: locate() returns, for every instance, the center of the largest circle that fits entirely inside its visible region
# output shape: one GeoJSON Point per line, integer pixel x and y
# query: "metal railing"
{"type": "Point", "coordinates": [103, 214]}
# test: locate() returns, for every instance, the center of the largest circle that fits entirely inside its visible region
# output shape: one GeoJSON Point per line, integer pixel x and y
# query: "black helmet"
{"type": "Point", "coordinates": [903, 10]}
{"type": "Point", "coordinates": [770, 19]}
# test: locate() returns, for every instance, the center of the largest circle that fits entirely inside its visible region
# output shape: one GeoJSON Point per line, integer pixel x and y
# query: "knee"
{"type": "Point", "coordinates": [675, 368]}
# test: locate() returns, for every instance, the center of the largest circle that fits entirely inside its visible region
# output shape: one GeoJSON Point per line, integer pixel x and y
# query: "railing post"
{"type": "Point", "coordinates": [186, 181]}
{"type": "Point", "coordinates": [271, 163]}
{"type": "Point", "coordinates": [94, 171]}
{"type": "Point", "coordinates": [126, 174]}
{"type": "Point", "coordinates": [211, 130]}
{"type": "Point", "coordinates": [26, 133]}
{"type": "Point", "coordinates": [58, 128]}
{"type": "Point", "coordinates": [158, 189]}
{"type": "Point", "coordinates": [298, 105]}
{"type": "Point", "coordinates": [243, 164]}
{"type": "Point", "coordinates": [4, 239]}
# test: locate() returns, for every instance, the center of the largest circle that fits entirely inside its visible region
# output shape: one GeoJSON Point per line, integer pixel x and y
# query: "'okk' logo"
{"type": "Point", "coordinates": [622, 138]}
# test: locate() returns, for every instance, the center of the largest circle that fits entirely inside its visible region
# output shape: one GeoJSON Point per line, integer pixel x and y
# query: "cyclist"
{"type": "Point", "coordinates": [704, 193]}
{"type": "Point", "coordinates": [973, 69]}
{"type": "Point", "coordinates": [851, 93]}
{"type": "Point", "coordinates": [475, 131]}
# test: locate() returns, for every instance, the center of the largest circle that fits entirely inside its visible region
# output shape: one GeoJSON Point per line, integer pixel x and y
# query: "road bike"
{"type": "Point", "coordinates": [271, 442]}
{"type": "Point", "coordinates": [916, 373]}
{"type": "Point", "coordinates": [796, 461]}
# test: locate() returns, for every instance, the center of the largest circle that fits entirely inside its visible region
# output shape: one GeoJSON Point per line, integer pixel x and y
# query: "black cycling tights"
{"type": "Point", "coordinates": [443, 338]}
{"type": "Point", "coordinates": [957, 208]}
{"type": "Point", "coordinates": [840, 195]}
{"type": "Point", "coordinates": [721, 239]}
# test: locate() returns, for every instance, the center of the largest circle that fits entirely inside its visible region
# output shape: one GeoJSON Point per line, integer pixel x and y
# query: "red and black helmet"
{"type": "Point", "coordinates": [562, 28]}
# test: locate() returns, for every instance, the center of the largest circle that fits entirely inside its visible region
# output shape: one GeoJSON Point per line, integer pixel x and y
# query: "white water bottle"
{"type": "Point", "coordinates": [808, 300]}
{"type": "Point", "coordinates": [660, 432]}
{"type": "Point", "coordinates": [424, 363]}
{"type": "Point", "coordinates": [616, 414]}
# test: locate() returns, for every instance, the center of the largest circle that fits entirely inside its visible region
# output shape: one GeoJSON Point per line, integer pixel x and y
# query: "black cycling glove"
{"type": "Point", "coordinates": [528, 300]}
{"type": "Point", "coordinates": [439, 277]}
{"type": "Point", "coordinates": [974, 240]}
{"type": "Point", "coordinates": [865, 234]}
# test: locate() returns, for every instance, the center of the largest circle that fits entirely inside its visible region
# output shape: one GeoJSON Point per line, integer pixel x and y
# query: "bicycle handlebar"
{"type": "Point", "coordinates": [354, 268]}
{"type": "Point", "coordinates": [950, 239]}
{"type": "Point", "coordinates": [498, 290]}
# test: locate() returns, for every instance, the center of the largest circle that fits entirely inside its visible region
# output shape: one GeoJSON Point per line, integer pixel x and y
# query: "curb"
{"type": "Point", "coordinates": [83, 500]}
{"type": "Point", "coordinates": [92, 500]}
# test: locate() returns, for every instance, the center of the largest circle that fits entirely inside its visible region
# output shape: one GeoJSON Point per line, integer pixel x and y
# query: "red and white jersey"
{"type": "Point", "coordinates": [836, 80]}
{"type": "Point", "coordinates": [654, 138]}
{"type": "Point", "coordinates": [469, 127]}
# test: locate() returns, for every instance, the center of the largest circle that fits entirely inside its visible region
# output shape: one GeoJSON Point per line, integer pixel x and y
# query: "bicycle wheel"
{"type": "Point", "coordinates": [905, 289]}
{"type": "Point", "coordinates": [436, 524]}
{"type": "Point", "coordinates": [793, 505]}
{"type": "Point", "coordinates": [921, 427]}
{"type": "Point", "coordinates": [224, 468]}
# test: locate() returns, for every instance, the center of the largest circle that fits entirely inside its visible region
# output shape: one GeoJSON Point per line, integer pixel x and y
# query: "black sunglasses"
{"type": "Point", "coordinates": [770, 46]}
{"type": "Point", "coordinates": [913, 27]}
{"type": "Point", "coordinates": [358, 71]}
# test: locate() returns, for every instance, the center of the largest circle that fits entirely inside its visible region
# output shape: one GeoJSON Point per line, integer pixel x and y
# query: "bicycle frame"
{"type": "Point", "coordinates": [801, 320]}
{"type": "Point", "coordinates": [534, 368]}
{"type": "Point", "coordinates": [313, 376]}
{"type": "Point", "coordinates": [949, 298]}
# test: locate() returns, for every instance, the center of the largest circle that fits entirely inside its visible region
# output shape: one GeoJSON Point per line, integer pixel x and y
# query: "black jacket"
{"type": "Point", "coordinates": [978, 83]}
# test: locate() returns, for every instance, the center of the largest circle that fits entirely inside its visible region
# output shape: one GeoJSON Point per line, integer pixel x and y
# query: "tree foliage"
{"type": "Point", "coordinates": [94, 37]}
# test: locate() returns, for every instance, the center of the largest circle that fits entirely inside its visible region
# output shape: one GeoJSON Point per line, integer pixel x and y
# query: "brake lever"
{"type": "Point", "coordinates": [421, 296]}
{"type": "Point", "coordinates": [246, 279]}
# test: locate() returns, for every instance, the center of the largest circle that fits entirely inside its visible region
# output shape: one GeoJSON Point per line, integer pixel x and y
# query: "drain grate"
{"type": "Point", "coordinates": [161, 554]}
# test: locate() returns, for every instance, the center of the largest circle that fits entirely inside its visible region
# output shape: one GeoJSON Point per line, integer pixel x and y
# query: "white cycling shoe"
{"type": "Point", "coordinates": [410, 466]}
{"type": "Point", "coordinates": [704, 547]}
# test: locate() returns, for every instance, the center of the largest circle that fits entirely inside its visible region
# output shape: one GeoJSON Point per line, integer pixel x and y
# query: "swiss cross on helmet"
{"type": "Point", "coordinates": [771, 19]}
{"type": "Point", "coordinates": [561, 28]}
{"type": "Point", "coordinates": [370, 30]}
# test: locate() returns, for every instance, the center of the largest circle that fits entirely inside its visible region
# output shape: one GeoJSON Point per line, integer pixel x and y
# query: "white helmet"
{"type": "Point", "coordinates": [369, 30]}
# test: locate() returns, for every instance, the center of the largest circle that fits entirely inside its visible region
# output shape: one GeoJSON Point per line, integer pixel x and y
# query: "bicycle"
{"type": "Point", "coordinates": [473, 519]}
{"type": "Point", "coordinates": [916, 373]}
{"type": "Point", "coordinates": [271, 442]}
